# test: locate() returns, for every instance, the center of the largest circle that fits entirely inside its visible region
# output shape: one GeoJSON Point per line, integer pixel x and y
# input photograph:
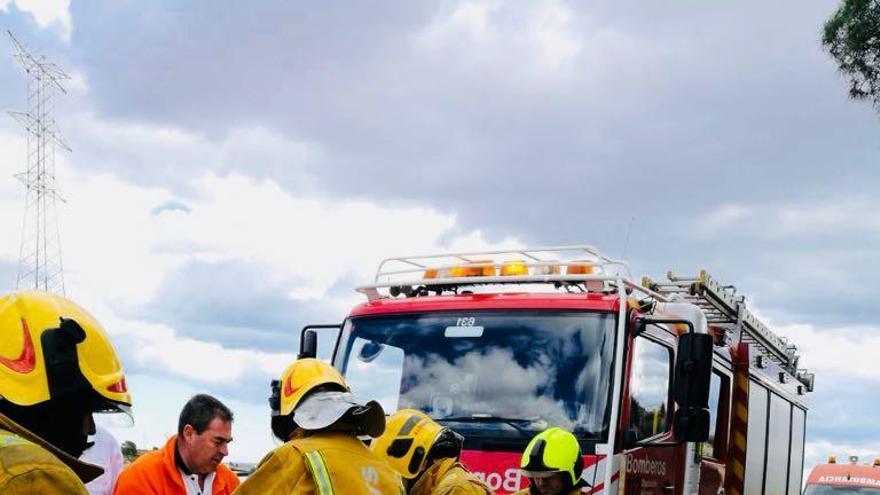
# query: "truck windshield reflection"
{"type": "Point", "coordinates": [521, 370]}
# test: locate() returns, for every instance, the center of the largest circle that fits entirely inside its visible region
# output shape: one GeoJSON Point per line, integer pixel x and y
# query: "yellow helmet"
{"type": "Point", "coordinates": [50, 347]}
{"type": "Point", "coordinates": [302, 377]}
{"type": "Point", "coordinates": [552, 451]}
{"type": "Point", "coordinates": [408, 439]}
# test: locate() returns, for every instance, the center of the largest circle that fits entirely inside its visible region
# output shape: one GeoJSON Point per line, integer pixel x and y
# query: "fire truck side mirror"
{"type": "Point", "coordinates": [308, 339]}
{"type": "Point", "coordinates": [691, 425]}
{"type": "Point", "coordinates": [693, 371]}
{"type": "Point", "coordinates": [308, 344]}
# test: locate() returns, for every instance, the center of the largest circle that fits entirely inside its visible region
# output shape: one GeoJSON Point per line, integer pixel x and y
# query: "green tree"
{"type": "Point", "coordinates": [129, 450]}
{"type": "Point", "coordinates": [852, 37]}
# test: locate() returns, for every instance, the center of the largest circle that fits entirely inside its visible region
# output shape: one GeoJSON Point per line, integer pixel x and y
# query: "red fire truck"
{"type": "Point", "coordinates": [671, 387]}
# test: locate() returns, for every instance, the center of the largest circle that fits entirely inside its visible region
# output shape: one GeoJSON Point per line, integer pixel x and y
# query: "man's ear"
{"type": "Point", "coordinates": [188, 433]}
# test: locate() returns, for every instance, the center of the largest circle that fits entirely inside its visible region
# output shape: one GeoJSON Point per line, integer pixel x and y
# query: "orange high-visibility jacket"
{"type": "Point", "coordinates": [155, 473]}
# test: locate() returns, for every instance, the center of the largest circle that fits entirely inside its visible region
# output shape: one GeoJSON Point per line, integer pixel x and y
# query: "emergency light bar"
{"type": "Point", "coordinates": [566, 265]}
{"type": "Point", "coordinates": [528, 258]}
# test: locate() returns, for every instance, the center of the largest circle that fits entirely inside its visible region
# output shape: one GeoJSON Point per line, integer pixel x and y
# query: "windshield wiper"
{"type": "Point", "coordinates": [517, 423]}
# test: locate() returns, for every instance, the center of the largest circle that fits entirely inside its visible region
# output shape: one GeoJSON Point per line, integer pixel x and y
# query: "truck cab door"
{"type": "Point", "coordinates": [649, 457]}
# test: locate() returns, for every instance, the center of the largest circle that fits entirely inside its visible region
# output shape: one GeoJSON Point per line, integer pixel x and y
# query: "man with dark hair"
{"type": "Point", "coordinates": [189, 464]}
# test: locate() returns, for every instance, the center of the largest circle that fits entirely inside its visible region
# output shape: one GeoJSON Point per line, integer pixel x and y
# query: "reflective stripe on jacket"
{"type": "Point", "coordinates": [322, 464]}
{"type": "Point", "coordinates": [31, 466]}
{"type": "Point", "coordinates": [449, 477]}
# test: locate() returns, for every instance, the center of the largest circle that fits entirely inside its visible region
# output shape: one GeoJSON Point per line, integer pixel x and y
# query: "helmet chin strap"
{"type": "Point", "coordinates": [283, 427]}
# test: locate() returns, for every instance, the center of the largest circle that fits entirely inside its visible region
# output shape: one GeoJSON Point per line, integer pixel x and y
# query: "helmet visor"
{"type": "Point", "coordinates": [114, 414]}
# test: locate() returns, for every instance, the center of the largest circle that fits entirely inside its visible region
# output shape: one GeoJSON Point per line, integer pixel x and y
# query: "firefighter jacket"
{"type": "Point", "coordinates": [449, 477]}
{"type": "Point", "coordinates": [323, 463]}
{"type": "Point", "coordinates": [31, 466]}
{"type": "Point", "coordinates": [156, 473]}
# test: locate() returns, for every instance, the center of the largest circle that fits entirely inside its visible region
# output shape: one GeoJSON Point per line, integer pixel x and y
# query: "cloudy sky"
{"type": "Point", "coordinates": [239, 167]}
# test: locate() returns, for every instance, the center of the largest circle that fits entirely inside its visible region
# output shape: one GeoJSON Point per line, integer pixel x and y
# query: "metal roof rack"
{"type": "Point", "coordinates": [725, 308]}
{"type": "Point", "coordinates": [544, 267]}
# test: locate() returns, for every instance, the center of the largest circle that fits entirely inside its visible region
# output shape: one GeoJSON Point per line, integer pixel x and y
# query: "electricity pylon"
{"type": "Point", "coordinates": [39, 262]}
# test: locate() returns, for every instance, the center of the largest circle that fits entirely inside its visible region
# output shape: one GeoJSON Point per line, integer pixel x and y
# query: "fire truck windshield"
{"type": "Point", "coordinates": [515, 369]}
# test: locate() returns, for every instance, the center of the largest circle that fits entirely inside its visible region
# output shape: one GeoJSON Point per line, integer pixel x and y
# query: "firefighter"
{"type": "Point", "coordinates": [553, 463]}
{"type": "Point", "coordinates": [57, 368]}
{"type": "Point", "coordinates": [319, 420]}
{"type": "Point", "coordinates": [426, 455]}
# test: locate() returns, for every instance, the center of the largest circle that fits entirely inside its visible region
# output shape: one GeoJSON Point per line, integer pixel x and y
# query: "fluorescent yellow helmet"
{"type": "Point", "coordinates": [303, 376]}
{"type": "Point", "coordinates": [553, 451]}
{"type": "Point", "coordinates": [51, 347]}
{"type": "Point", "coordinates": [408, 439]}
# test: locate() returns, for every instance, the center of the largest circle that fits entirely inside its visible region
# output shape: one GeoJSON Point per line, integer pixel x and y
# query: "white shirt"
{"type": "Point", "coordinates": [107, 454]}
{"type": "Point", "coordinates": [191, 482]}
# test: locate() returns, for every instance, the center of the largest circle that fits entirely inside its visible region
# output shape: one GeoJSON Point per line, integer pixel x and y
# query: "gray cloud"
{"type": "Point", "coordinates": [843, 411]}
{"type": "Point", "coordinates": [712, 95]}
{"type": "Point", "coordinates": [240, 304]}
{"type": "Point", "coordinates": [807, 262]}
